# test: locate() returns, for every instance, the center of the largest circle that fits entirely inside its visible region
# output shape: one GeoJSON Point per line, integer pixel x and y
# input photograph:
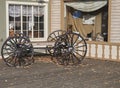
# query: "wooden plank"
{"type": "Point", "coordinates": [42, 44]}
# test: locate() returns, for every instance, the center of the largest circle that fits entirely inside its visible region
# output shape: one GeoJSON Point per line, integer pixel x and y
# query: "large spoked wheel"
{"type": "Point", "coordinates": [53, 37]}
{"type": "Point", "coordinates": [17, 51]}
{"type": "Point", "coordinates": [70, 49]}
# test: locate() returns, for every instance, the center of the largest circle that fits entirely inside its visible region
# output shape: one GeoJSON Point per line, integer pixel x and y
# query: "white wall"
{"type": "Point", "coordinates": [115, 21]}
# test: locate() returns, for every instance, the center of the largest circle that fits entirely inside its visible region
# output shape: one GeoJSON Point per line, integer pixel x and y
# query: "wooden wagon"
{"type": "Point", "coordinates": [67, 47]}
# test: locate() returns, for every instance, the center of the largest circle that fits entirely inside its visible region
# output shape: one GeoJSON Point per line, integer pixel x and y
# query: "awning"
{"type": "Point", "coordinates": [87, 6]}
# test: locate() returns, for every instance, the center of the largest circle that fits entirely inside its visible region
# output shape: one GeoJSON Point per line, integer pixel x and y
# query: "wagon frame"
{"type": "Point", "coordinates": [67, 47]}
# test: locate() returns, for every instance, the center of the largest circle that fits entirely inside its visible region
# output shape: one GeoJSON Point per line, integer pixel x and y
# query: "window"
{"type": "Point", "coordinates": [29, 19]}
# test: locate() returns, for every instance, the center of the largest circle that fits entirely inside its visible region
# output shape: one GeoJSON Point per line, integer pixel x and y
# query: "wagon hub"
{"type": "Point", "coordinates": [70, 49]}
{"type": "Point", "coordinates": [18, 52]}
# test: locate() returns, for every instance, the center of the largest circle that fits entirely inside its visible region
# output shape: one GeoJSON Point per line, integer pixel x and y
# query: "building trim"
{"type": "Point", "coordinates": [62, 14]}
{"type": "Point", "coordinates": [109, 19]}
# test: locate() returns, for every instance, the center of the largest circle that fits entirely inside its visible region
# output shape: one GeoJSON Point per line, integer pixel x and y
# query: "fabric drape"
{"type": "Point", "coordinates": [78, 25]}
{"type": "Point", "coordinates": [87, 6]}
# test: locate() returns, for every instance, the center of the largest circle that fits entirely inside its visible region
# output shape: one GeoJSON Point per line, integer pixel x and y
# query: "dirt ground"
{"type": "Point", "coordinates": [45, 74]}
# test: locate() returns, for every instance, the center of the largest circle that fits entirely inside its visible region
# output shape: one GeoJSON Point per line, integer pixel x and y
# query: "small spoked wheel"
{"type": "Point", "coordinates": [70, 49]}
{"type": "Point", "coordinates": [53, 37]}
{"type": "Point", "coordinates": [17, 51]}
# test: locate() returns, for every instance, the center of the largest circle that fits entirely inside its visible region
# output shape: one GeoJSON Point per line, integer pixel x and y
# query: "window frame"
{"type": "Point", "coordinates": [32, 4]}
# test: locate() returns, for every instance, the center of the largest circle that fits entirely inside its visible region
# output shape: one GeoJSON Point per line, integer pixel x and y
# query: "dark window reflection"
{"type": "Point", "coordinates": [41, 26]}
{"type": "Point", "coordinates": [25, 18]}
{"type": "Point", "coordinates": [11, 18]}
{"type": "Point", "coordinates": [36, 26]}
{"type": "Point", "coordinates": [41, 18]}
{"type": "Point", "coordinates": [17, 18]}
{"type": "Point", "coordinates": [35, 19]}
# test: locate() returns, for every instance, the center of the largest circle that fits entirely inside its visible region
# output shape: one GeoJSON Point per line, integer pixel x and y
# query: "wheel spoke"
{"type": "Point", "coordinates": [52, 39]}
{"type": "Point", "coordinates": [78, 59]}
{"type": "Point", "coordinates": [7, 49]}
{"type": "Point", "coordinates": [15, 61]}
{"type": "Point", "coordinates": [20, 39]}
{"type": "Point", "coordinates": [58, 33]}
{"type": "Point", "coordinates": [9, 59]}
{"type": "Point", "coordinates": [77, 54]}
{"type": "Point", "coordinates": [23, 41]}
{"type": "Point", "coordinates": [55, 36]}
{"type": "Point", "coordinates": [9, 53]}
{"type": "Point", "coordinates": [81, 50]}
{"type": "Point", "coordinates": [72, 38]}
{"type": "Point", "coordinates": [77, 43]}
{"type": "Point", "coordinates": [12, 42]}
{"type": "Point", "coordinates": [76, 40]}
{"type": "Point", "coordinates": [10, 45]}
{"type": "Point", "coordinates": [80, 46]}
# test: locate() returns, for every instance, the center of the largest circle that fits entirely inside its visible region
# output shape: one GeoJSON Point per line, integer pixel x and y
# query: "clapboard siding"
{"type": "Point", "coordinates": [55, 15]}
{"type": "Point", "coordinates": [115, 1]}
{"type": "Point", "coordinates": [115, 21]}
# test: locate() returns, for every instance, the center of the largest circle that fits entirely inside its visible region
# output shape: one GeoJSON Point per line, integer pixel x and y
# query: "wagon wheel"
{"type": "Point", "coordinates": [53, 38]}
{"type": "Point", "coordinates": [70, 49]}
{"type": "Point", "coordinates": [17, 51]}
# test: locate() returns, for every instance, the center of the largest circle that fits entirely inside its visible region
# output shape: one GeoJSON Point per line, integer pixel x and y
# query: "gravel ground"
{"type": "Point", "coordinates": [45, 74]}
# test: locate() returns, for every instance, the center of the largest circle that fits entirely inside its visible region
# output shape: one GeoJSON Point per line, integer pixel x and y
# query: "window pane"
{"type": "Point", "coordinates": [24, 10]}
{"type": "Point", "coordinates": [17, 9]}
{"type": "Point", "coordinates": [30, 34]}
{"type": "Point", "coordinates": [11, 18]}
{"type": "Point", "coordinates": [24, 33]}
{"type": "Point", "coordinates": [41, 34]}
{"type": "Point", "coordinates": [36, 26]}
{"type": "Point", "coordinates": [41, 26]}
{"type": "Point", "coordinates": [25, 18]}
{"type": "Point", "coordinates": [35, 10]}
{"type": "Point", "coordinates": [25, 26]}
{"type": "Point", "coordinates": [35, 19]}
{"type": "Point", "coordinates": [11, 9]}
{"type": "Point", "coordinates": [35, 34]}
{"type": "Point", "coordinates": [18, 26]}
{"type": "Point", "coordinates": [41, 18]}
{"type": "Point", "coordinates": [17, 18]}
